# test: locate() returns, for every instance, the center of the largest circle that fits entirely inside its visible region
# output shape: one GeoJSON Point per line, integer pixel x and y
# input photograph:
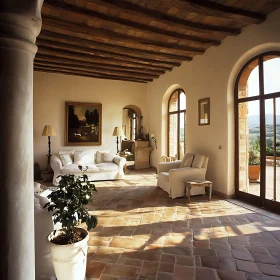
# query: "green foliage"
{"type": "Point", "coordinates": [69, 200]}
{"type": "Point", "coordinates": [254, 153]}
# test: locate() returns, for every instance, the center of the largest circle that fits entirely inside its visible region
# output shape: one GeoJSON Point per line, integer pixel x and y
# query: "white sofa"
{"type": "Point", "coordinates": [99, 165]}
{"type": "Point", "coordinates": [171, 175]}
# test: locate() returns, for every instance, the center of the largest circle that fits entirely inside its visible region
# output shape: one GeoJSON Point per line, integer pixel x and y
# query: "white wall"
{"type": "Point", "coordinates": [212, 75]}
{"type": "Point", "coordinates": [52, 90]}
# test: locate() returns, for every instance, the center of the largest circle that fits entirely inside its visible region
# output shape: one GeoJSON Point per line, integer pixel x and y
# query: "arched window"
{"type": "Point", "coordinates": [176, 124]}
{"type": "Point", "coordinates": [257, 122]}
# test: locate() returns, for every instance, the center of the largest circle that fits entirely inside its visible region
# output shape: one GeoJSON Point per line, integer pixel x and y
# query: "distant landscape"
{"type": "Point", "coordinates": [254, 132]}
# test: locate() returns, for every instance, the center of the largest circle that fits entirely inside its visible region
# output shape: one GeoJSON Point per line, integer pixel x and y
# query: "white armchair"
{"type": "Point", "coordinates": [171, 175]}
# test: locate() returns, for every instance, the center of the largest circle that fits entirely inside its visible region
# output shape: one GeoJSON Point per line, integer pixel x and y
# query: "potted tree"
{"type": "Point", "coordinates": [69, 244]}
{"type": "Point", "coordinates": [254, 162]}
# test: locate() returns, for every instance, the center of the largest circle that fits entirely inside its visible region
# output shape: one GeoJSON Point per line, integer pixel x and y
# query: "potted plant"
{"type": "Point", "coordinates": [254, 162]}
{"type": "Point", "coordinates": [69, 244]}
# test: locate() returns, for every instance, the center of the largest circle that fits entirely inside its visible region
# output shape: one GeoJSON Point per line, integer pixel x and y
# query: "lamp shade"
{"type": "Point", "coordinates": [118, 132]}
{"type": "Point", "coordinates": [48, 131]}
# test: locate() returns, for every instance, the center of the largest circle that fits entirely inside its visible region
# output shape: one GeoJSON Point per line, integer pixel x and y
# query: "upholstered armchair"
{"type": "Point", "coordinates": [171, 175]}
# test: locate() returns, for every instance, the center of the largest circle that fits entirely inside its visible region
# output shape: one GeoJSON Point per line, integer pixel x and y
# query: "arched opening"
{"type": "Point", "coordinates": [176, 124]}
{"type": "Point", "coordinates": [257, 131]}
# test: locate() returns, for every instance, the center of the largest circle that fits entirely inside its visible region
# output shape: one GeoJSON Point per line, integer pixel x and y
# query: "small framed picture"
{"type": "Point", "coordinates": [83, 124]}
{"type": "Point", "coordinates": [204, 111]}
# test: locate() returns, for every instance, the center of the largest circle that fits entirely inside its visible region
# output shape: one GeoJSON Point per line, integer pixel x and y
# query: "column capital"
{"type": "Point", "coordinates": [20, 23]}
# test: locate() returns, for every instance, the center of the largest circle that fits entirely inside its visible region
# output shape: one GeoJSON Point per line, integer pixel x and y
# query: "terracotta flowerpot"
{"type": "Point", "coordinates": [254, 173]}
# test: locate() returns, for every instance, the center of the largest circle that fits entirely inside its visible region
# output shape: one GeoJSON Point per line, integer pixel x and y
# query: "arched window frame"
{"type": "Point", "coordinates": [179, 110]}
{"type": "Point", "coordinates": [262, 97]}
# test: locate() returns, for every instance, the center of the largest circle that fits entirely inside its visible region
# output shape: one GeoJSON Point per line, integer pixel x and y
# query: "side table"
{"type": "Point", "coordinates": [197, 183]}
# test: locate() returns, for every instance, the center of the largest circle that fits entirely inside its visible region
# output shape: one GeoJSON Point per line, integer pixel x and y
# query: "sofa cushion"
{"type": "Point", "coordinates": [66, 159]}
{"type": "Point", "coordinates": [198, 161]}
{"type": "Point", "coordinates": [107, 167]}
{"type": "Point", "coordinates": [187, 160]}
{"type": "Point", "coordinates": [85, 157]}
{"type": "Point", "coordinates": [104, 157]}
{"type": "Point", "coordinates": [74, 169]}
{"type": "Point", "coordinates": [65, 155]}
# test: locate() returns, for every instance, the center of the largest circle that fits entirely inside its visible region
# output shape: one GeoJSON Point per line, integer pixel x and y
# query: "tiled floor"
{"type": "Point", "coordinates": [143, 234]}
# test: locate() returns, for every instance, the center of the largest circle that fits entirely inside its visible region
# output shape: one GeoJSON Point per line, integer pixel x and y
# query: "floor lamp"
{"type": "Point", "coordinates": [49, 131]}
{"type": "Point", "coordinates": [119, 133]}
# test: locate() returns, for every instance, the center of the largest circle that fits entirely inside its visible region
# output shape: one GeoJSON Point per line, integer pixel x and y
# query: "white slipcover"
{"type": "Point", "coordinates": [171, 177]}
{"type": "Point", "coordinates": [95, 172]}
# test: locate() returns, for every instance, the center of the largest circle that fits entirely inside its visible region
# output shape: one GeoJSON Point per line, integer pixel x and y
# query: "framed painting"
{"type": "Point", "coordinates": [83, 124]}
{"type": "Point", "coordinates": [204, 111]}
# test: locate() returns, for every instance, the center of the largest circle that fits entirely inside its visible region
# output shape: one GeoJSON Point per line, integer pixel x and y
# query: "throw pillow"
{"type": "Point", "coordinates": [66, 159]}
{"type": "Point", "coordinates": [107, 157]}
{"type": "Point", "coordinates": [84, 157]}
{"type": "Point", "coordinates": [37, 204]}
{"type": "Point", "coordinates": [187, 160]}
{"type": "Point", "coordinates": [69, 152]}
{"type": "Point", "coordinates": [198, 161]}
{"type": "Point", "coordinates": [98, 157]}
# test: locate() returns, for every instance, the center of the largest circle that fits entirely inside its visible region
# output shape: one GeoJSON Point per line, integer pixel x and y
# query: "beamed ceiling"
{"type": "Point", "coordinates": [137, 40]}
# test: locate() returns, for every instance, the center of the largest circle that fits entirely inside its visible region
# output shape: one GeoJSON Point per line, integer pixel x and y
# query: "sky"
{"type": "Point", "coordinates": [271, 84]}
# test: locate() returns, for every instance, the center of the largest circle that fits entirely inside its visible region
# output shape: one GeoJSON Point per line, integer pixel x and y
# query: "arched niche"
{"type": "Point", "coordinates": [131, 121]}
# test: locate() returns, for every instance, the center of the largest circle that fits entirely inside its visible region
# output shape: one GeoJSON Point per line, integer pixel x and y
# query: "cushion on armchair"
{"type": "Point", "coordinates": [187, 160]}
{"type": "Point", "coordinates": [198, 161]}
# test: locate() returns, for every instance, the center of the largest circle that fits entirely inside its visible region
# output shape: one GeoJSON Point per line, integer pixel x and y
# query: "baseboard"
{"type": "Point", "coordinates": [223, 195]}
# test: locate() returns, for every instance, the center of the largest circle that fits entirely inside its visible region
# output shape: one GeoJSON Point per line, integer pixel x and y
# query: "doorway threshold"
{"type": "Point", "coordinates": [256, 209]}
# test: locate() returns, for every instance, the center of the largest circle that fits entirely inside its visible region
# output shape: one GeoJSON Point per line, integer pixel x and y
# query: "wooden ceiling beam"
{"type": "Point", "coordinates": [48, 58]}
{"type": "Point", "coordinates": [117, 23]}
{"type": "Point", "coordinates": [96, 70]}
{"type": "Point", "coordinates": [91, 75]}
{"type": "Point", "coordinates": [208, 8]}
{"type": "Point", "coordinates": [82, 28]}
{"type": "Point", "coordinates": [86, 50]}
{"type": "Point", "coordinates": [134, 9]}
{"type": "Point", "coordinates": [45, 34]}
{"type": "Point", "coordinates": [83, 57]}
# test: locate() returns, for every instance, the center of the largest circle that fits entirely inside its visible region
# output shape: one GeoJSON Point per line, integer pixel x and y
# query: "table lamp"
{"type": "Point", "coordinates": [119, 133]}
{"type": "Point", "coordinates": [49, 131]}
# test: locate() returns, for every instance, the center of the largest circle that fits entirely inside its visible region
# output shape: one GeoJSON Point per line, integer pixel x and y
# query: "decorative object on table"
{"type": "Point", "coordinates": [118, 132]}
{"type": "Point", "coordinates": [204, 111]}
{"type": "Point", "coordinates": [49, 131]}
{"type": "Point", "coordinates": [68, 245]}
{"type": "Point", "coordinates": [83, 124]}
{"type": "Point", "coordinates": [154, 139]}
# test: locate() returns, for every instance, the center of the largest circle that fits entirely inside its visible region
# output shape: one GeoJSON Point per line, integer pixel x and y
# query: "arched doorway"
{"type": "Point", "coordinates": [257, 131]}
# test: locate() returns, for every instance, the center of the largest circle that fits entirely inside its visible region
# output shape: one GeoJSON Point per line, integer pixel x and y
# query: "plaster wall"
{"type": "Point", "coordinates": [211, 75]}
{"type": "Point", "coordinates": [52, 90]}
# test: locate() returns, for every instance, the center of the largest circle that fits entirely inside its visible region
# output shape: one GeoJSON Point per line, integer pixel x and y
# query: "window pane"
{"type": "Point", "coordinates": [182, 136]}
{"type": "Point", "coordinates": [249, 81]}
{"type": "Point", "coordinates": [278, 149]}
{"type": "Point", "coordinates": [173, 102]}
{"type": "Point", "coordinates": [271, 69]}
{"type": "Point", "coordinates": [269, 135]}
{"type": "Point", "coordinates": [183, 103]}
{"type": "Point", "coordinates": [173, 135]}
{"type": "Point", "coordinates": [249, 148]}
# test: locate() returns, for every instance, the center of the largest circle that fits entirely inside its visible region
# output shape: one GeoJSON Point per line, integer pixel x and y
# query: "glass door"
{"type": "Point", "coordinates": [257, 119]}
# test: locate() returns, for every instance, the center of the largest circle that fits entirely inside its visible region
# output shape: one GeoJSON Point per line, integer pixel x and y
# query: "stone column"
{"type": "Point", "coordinates": [20, 23]}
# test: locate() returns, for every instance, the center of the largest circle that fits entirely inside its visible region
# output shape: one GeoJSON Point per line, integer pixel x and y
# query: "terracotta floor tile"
{"type": "Point", "coordinates": [164, 276]}
{"type": "Point", "coordinates": [149, 270]}
{"type": "Point", "coordinates": [166, 267]}
{"type": "Point", "coordinates": [121, 270]}
{"type": "Point", "coordinates": [168, 258]}
{"type": "Point", "coordinates": [185, 260]}
{"type": "Point", "coordinates": [203, 273]}
{"type": "Point", "coordinates": [183, 273]}
{"type": "Point", "coordinates": [269, 269]}
{"type": "Point", "coordinates": [94, 269]}
{"type": "Point", "coordinates": [126, 242]}
{"type": "Point", "coordinates": [247, 266]}
{"type": "Point", "coordinates": [231, 275]}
